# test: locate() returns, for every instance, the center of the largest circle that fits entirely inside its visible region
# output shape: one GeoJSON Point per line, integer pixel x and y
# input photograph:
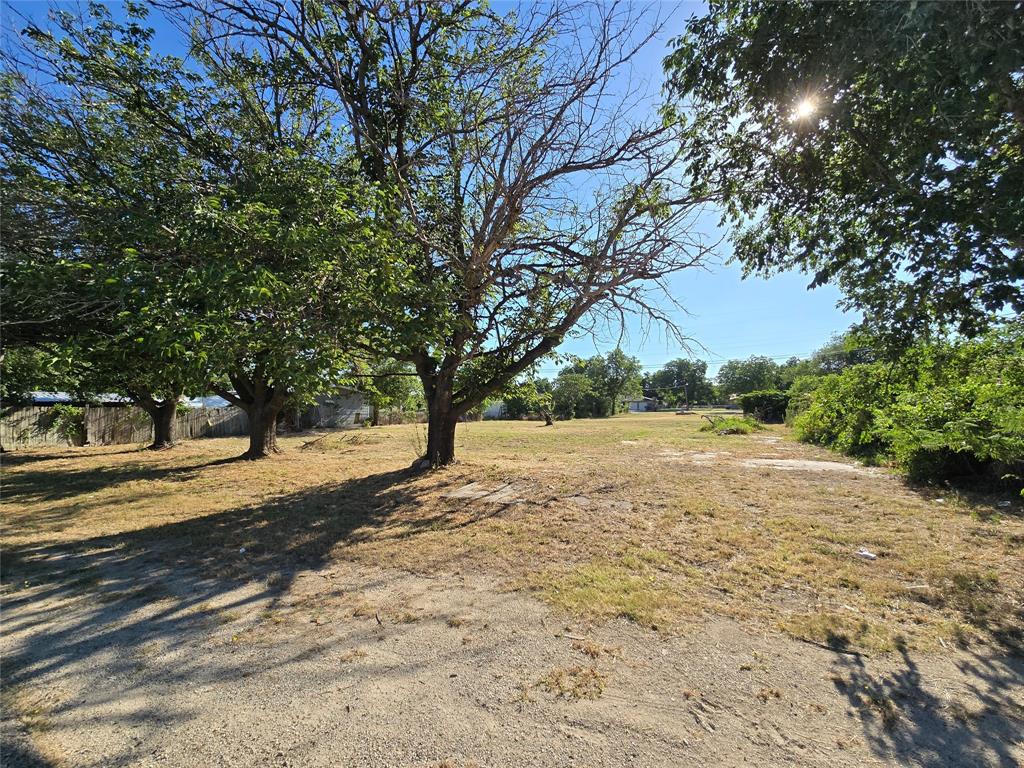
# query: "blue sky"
{"type": "Point", "coordinates": [727, 318]}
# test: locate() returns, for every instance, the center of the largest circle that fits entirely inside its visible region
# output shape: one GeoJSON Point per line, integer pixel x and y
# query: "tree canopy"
{"type": "Point", "coordinates": [737, 377]}
{"type": "Point", "coordinates": [209, 210]}
{"type": "Point", "coordinates": [876, 145]}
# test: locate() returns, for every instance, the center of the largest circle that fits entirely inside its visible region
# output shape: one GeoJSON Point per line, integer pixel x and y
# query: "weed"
{"type": "Point", "coordinates": [574, 682]}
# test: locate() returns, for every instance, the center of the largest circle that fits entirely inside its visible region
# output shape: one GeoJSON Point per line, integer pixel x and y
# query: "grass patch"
{"type": "Point", "coordinates": [611, 590]}
{"type": "Point", "coordinates": [644, 516]}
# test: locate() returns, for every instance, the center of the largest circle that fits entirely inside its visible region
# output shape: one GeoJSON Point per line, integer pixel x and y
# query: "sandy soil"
{"type": "Point", "coordinates": [357, 667]}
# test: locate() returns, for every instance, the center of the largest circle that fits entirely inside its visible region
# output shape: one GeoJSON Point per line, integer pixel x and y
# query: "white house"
{"type": "Point", "coordinates": [640, 404]}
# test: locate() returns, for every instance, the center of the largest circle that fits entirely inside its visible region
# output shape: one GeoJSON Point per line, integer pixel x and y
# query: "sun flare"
{"type": "Point", "coordinates": [804, 109]}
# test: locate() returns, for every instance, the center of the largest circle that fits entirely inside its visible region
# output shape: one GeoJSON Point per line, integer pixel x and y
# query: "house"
{"type": "Point", "coordinates": [495, 410]}
{"type": "Point", "coordinates": [640, 404]}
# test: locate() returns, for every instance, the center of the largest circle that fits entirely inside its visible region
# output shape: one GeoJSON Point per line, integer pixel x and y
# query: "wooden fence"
{"type": "Point", "coordinates": [121, 424]}
{"type": "Point", "coordinates": [338, 411]}
{"type": "Point", "coordinates": [114, 425]}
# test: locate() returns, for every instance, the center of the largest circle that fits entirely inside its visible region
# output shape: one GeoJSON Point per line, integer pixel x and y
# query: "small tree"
{"type": "Point", "coordinates": [622, 377]}
{"type": "Point", "coordinates": [570, 391]}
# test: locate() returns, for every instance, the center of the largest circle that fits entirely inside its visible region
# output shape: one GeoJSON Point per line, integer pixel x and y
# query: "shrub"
{"type": "Point", "coordinates": [942, 410]}
{"type": "Point", "coordinates": [801, 394]}
{"type": "Point", "coordinates": [68, 421]}
{"type": "Point", "coordinates": [730, 425]}
{"type": "Point", "coordinates": [842, 412]}
{"type": "Point", "coordinates": [965, 412]}
{"type": "Point", "coordinates": [767, 405]}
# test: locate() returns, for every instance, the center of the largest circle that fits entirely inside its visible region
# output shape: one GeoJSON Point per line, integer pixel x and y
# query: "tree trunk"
{"type": "Point", "coordinates": [375, 418]}
{"type": "Point", "coordinates": [441, 437]}
{"type": "Point", "coordinates": [163, 424]}
{"type": "Point", "coordinates": [162, 412]}
{"type": "Point", "coordinates": [262, 428]}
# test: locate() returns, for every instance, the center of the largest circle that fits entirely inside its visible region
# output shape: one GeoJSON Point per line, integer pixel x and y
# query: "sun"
{"type": "Point", "coordinates": [805, 108]}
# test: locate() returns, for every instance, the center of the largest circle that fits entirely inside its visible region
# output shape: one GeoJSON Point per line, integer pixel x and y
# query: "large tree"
{"type": "Point", "coordinates": [224, 180]}
{"type": "Point", "coordinates": [90, 273]}
{"type": "Point", "coordinates": [681, 381]}
{"type": "Point", "coordinates": [536, 199]}
{"type": "Point", "coordinates": [737, 377]}
{"type": "Point", "coordinates": [877, 145]}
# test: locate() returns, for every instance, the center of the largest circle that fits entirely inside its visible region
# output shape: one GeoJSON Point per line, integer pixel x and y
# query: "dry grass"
{"type": "Point", "coordinates": [574, 683]}
{"type": "Point", "coordinates": [641, 516]}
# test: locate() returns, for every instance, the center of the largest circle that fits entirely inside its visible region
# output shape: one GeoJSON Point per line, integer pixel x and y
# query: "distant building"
{"type": "Point", "coordinates": [495, 410]}
{"type": "Point", "coordinates": [641, 404]}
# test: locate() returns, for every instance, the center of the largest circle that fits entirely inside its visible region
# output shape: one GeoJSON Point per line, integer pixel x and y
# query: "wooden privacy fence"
{"type": "Point", "coordinates": [113, 425]}
{"type": "Point", "coordinates": [119, 424]}
{"type": "Point", "coordinates": [338, 411]}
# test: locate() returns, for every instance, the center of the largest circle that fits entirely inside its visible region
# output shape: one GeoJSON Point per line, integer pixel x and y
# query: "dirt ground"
{"type": "Point", "coordinates": [619, 592]}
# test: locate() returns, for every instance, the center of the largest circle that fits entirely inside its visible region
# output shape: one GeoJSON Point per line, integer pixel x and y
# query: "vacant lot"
{"type": "Point", "coordinates": [628, 591]}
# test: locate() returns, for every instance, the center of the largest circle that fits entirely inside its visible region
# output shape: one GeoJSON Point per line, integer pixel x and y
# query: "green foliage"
{"type": "Point", "coordinates": [571, 393]}
{"type": "Point", "coordinates": [965, 410]}
{"type": "Point", "coordinates": [902, 174]}
{"type": "Point", "coordinates": [942, 410]}
{"type": "Point", "coordinates": [610, 378]}
{"type": "Point", "coordinates": [68, 421]}
{"type": "Point", "coordinates": [524, 399]}
{"type": "Point", "coordinates": [842, 411]}
{"type": "Point", "coordinates": [731, 425]}
{"type": "Point", "coordinates": [27, 369]}
{"type": "Point", "coordinates": [621, 377]}
{"type": "Point", "coordinates": [681, 382]}
{"type": "Point", "coordinates": [766, 405]}
{"type": "Point", "coordinates": [737, 377]}
{"type": "Point", "coordinates": [801, 394]}
{"type": "Point", "coordinates": [209, 219]}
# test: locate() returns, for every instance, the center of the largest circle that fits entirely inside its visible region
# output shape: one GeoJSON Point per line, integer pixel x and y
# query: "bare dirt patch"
{"type": "Point", "coordinates": [368, 667]}
{"type": "Point", "coordinates": [806, 464]}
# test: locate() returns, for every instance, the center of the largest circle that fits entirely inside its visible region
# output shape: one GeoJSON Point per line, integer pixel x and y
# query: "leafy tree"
{"type": "Point", "coordinates": [681, 381]}
{"type": "Point", "coordinates": [840, 352]}
{"type": "Point", "coordinates": [621, 377]}
{"type": "Point", "coordinates": [737, 377]}
{"type": "Point", "coordinates": [233, 197]}
{"type": "Point", "coordinates": [571, 391]}
{"type": "Point", "coordinates": [390, 384]}
{"type": "Point", "coordinates": [93, 194]}
{"type": "Point", "coordinates": [527, 212]}
{"type": "Point", "coordinates": [524, 398]}
{"type": "Point", "coordinates": [878, 145]}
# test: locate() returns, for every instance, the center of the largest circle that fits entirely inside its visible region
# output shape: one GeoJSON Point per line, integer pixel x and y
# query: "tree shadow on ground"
{"type": "Point", "coordinates": [904, 720]}
{"type": "Point", "coordinates": [49, 485]}
{"type": "Point", "coordinates": [153, 584]}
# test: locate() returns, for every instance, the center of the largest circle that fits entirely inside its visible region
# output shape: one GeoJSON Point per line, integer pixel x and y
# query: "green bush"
{"type": "Point", "coordinates": [941, 411]}
{"type": "Point", "coordinates": [68, 421]}
{"type": "Point", "coordinates": [843, 409]}
{"type": "Point", "coordinates": [767, 405]}
{"type": "Point", "coordinates": [965, 412]}
{"type": "Point", "coordinates": [731, 425]}
{"type": "Point", "coordinates": [801, 395]}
